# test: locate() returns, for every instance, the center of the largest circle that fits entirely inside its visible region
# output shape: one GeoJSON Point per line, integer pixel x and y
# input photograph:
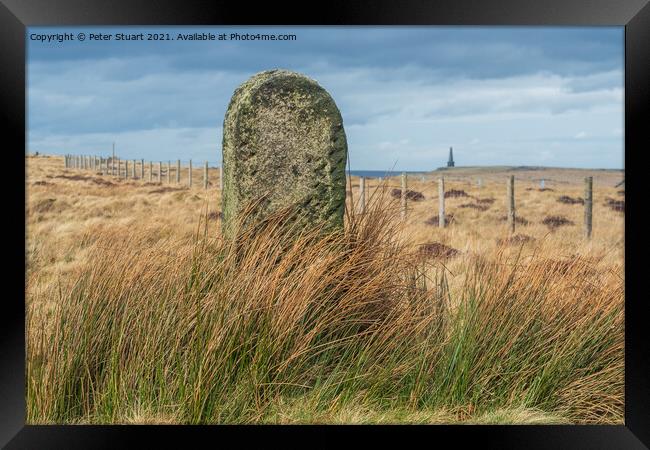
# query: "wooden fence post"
{"type": "Point", "coordinates": [178, 171]}
{"type": "Point", "coordinates": [169, 172]}
{"type": "Point", "coordinates": [189, 183]}
{"type": "Point", "coordinates": [113, 164]}
{"type": "Point", "coordinates": [142, 169]}
{"type": "Point", "coordinates": [205, 176]}
{"type": "Point", "coordinates": [588, 206]}
{"type": "Point", "coordinates": [159, 171]}
{"type": "Point", "coordinates": [511, 203]}
{"type": "Point", "coordinates": [126, 168]}
{"type": "Point", "coordinates": [362, 195]}
{"type": "Point", "coordinates": [403, 196]}
{"type": "Point", "coordinates": [441, 202]}
{"type": "Point", "coordinates": [221, 177]}
{"type": "Point", "coordinates": [150, 171]}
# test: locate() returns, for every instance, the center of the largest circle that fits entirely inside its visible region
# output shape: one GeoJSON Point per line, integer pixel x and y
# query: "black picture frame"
{"type": "Point", "coordinates": [634, 15]}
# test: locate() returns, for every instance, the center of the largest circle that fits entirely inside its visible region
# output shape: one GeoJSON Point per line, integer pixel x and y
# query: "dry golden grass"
{"type": "Point", "coordinates": [525, 333]}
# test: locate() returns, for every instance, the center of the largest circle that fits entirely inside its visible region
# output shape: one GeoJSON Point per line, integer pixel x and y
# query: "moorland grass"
{"type": "Point", "coordinates": [282, 326]}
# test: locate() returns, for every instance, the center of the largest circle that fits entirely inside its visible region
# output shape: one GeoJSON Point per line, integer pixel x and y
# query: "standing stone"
{"type": "Point", "coordinates": [284, 144]}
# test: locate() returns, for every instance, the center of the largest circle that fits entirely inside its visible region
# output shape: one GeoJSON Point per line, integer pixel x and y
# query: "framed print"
{"type": "Point", "coordinates": [238, 218]}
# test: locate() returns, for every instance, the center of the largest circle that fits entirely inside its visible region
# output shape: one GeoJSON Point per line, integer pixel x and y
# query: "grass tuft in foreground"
{"type": "Point", "coordinates": [283, 325]}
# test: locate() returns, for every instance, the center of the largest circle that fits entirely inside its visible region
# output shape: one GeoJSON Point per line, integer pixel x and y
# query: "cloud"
{"type": "Point", "coordinates": [406, 93]}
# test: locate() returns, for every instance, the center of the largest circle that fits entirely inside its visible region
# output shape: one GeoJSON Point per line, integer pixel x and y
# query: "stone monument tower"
{"type": "Point", "coordinates": [450, 163]}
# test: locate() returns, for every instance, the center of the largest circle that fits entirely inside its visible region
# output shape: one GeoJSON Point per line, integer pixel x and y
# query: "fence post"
{"type": "Point", "coordinates": [142, 169]}
{"type": "Point", "coordinates": [178, 171]}
{"type": "Point", "coordinates": [150, 171]}
{"type": "Point", "coordinates": [441, 202]}
{"type": "Point", "coordinates": [169, 172]}
{"type": "Point", "coordinates": [113, 160]}
{"type": "Point", "coordinates": [126, 168]}
{"type": "Point", "coordinates": [205, 176]}
{"type": "Point", "coordinates": [403, 196]}
{"type": "Point", "coordinates": [159, 171]}
{"type": "Point", "coordinates": [362, 194]}
{"type": "Point", "coordinates": [190, 175]}
{"type": "Point", "coordinates": [221, 177]}
{"type": "Point", "coordinates": [588, 205]}
{"type": "Point", "coordinates": [511, 203]}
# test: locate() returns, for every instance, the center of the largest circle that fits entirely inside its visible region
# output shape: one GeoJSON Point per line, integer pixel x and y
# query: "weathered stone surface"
{"type": "Point", "coordinates": [283, 140]}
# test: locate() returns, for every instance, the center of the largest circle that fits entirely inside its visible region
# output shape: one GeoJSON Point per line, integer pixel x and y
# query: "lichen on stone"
{"type": "Point", "coordinates": [283, 140]}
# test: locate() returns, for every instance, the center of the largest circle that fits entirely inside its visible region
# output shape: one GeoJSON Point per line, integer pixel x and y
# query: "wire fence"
{"type": "Point", "coordinates": [182, 171]}
{"type": "Point", "coordinates": [169, 171]}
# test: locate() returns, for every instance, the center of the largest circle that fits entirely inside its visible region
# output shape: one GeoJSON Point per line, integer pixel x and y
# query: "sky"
{"type": "Point", "coordinates": [542, 96]}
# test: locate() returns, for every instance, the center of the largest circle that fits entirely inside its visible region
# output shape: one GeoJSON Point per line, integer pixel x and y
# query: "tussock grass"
{"type": "Point", "coordinates": [282, 325]}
